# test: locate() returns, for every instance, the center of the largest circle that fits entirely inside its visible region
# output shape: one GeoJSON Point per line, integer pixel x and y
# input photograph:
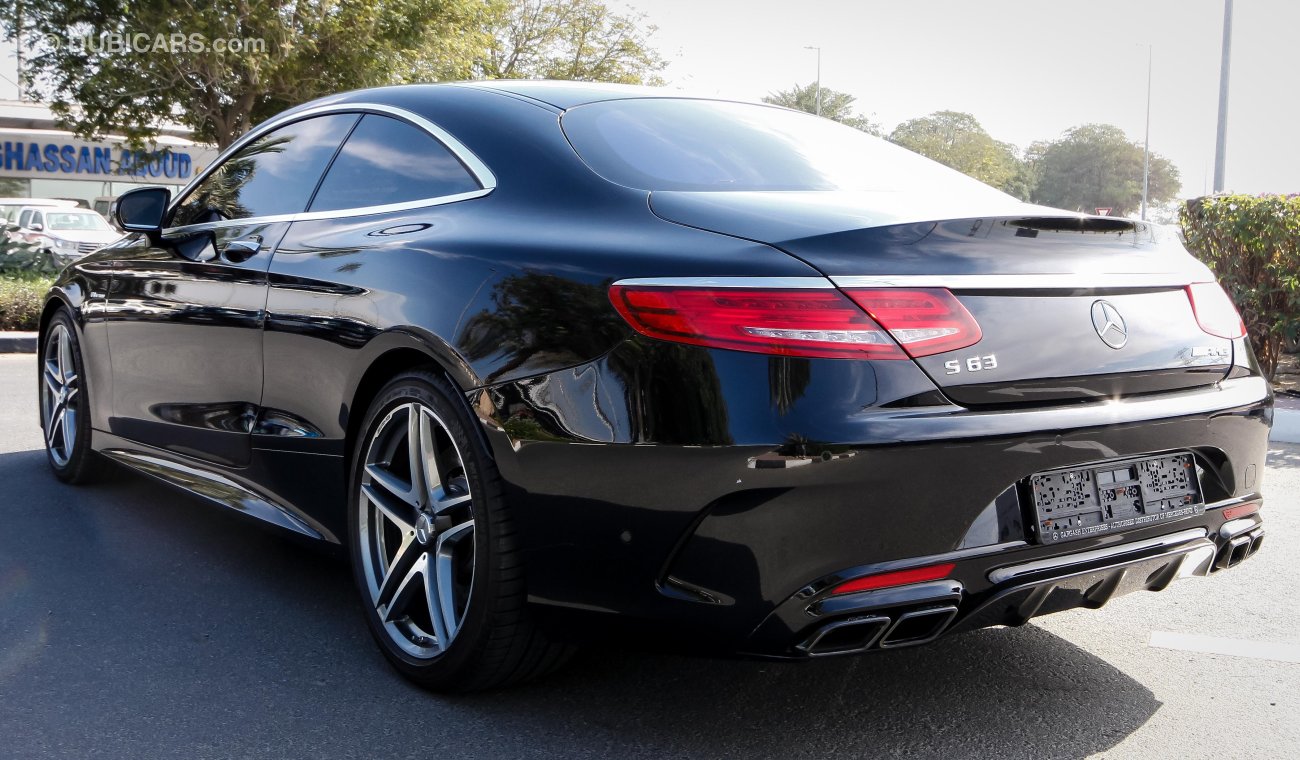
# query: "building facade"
{"type": "Point", "coordinates": [38, 160]}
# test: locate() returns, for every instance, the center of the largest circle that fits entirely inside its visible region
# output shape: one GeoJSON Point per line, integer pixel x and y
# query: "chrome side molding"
{"type": "Point", "coordinates": [214, 487]}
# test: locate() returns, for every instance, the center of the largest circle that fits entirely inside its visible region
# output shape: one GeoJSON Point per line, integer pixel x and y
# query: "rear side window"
{"type": "Point", "coordinates": [705, 145]}
{"type": "Point", "coordinates": [389, 161]}
{"type": "Point", "coordinates": [272, 175]}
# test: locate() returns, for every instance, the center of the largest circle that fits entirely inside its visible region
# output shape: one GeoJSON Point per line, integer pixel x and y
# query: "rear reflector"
{"type": "Point", "coordinates": [923, 321]}
{"type": "Point", "coordinates": [1241, 510]}
{"type": "Point", "coordinates": [895, 578]}
{"type": "Point", "coordinates": [812, 322]}
{"type": "Point", "coordinates": [1214, 310]}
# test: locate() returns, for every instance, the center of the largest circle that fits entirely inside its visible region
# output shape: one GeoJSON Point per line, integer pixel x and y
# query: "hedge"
{"type": "Point", "coordinates": [25, 275]}
{"type": "Point", "coordinates": [1253, 244]}
{"type": "Point", "coordinates": [21, 296]}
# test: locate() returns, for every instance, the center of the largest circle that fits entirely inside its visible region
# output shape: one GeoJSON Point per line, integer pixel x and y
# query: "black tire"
{"type": "Point", "coordinates": [495, 643]}
{"type": "Point", "coordinates": [77, 463]}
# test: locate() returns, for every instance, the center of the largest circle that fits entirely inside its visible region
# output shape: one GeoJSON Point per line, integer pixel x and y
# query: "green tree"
{"type": "Point", "coordinates": [566, 39]}
{"type": "Point", "coordinates": [958, 140]}
{"type": "Point", "coordinates": [836, 105]}
{"type": "Point", "coordinates": [1096, 166]}
{"type": "Point", "coordinates": [307, 48]}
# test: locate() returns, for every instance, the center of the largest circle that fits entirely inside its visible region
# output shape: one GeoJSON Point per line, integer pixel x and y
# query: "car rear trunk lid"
{"type": "Point", "coordinates": [1071, 307]}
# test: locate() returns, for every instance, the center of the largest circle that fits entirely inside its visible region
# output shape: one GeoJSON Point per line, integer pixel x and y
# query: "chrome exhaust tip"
{"type": "Point", "coordinates": [1256, 541]}
{"type": "Point", "coordinates": [918, 627]}
{"type": "Point", "coordinates": [845, 636]}
{"type": "Point", "coordinates": [1234, 553]}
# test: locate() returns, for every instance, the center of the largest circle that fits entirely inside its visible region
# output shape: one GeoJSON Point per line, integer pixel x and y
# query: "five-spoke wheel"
{"type": "Point", "coordinates": [59, 395]}
{"type": "Point", "coordinates": [416, 530]}
{"type": "Point", "coordinates": [65, 404]}
{"type": "Point", "coordinates": [435, 549]}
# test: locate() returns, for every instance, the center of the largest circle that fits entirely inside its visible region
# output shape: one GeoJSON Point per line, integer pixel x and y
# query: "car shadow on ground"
{"type": "Point", "coordinates": [165, 626]}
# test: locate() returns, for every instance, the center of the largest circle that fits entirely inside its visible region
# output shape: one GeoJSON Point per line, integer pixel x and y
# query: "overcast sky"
{"type": "Point", "coordinates": [1027, 69]}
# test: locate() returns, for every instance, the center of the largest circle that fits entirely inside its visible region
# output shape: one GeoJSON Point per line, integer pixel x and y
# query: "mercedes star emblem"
{"type": "Point", "coordinates": [1109, 324]}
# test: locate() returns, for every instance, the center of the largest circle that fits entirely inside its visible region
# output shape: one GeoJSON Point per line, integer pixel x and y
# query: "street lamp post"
{"type": "Point", "coordinates": [1146, 143]}
{"type": "Point", "coordinates": [819, 76]}
{"type": "Point", "coordinates": [1221, 136]}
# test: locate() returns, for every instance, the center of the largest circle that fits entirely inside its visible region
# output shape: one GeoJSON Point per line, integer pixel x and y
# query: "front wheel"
{"type": "Point", "coordinates": [65, 405]}
{"type": "Point", "coordinates": [433, 546]}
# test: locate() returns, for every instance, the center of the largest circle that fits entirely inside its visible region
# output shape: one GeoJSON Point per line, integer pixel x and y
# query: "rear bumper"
{"type": "Point", "coordinates": [816, 626]}
{"type": "Point", "coordinates": [700, 504]}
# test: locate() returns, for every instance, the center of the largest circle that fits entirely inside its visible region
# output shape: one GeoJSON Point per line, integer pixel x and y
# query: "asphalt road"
{"type": "Point", "coordinates": [139, 623]}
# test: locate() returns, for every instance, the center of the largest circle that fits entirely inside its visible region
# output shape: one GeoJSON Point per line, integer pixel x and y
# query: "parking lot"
{"type": "Point", "coordinates": [137, 622]}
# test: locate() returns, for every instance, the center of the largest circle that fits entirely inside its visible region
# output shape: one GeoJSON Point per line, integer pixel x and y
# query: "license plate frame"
{"type": "Point", "coordinates": [1113, 496]}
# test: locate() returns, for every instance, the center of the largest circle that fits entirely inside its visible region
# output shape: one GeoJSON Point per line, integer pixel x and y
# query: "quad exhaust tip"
{"type": "Point", "coordinates": [858, 634]}
{"type": "Point", "coordinates": [918, 627]}
{"type": "Point", "coordinates": [1239, 549]}
{"type": "Point", "coordinates": [855, 634]}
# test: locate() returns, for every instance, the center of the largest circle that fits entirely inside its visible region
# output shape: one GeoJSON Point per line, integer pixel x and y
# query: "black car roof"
{"type": "Point", "coordinates": [565, 95]}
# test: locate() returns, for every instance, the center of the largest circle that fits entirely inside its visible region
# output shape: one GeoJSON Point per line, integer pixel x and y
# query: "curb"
{"type": "Point", "coordinates": [17, 342]}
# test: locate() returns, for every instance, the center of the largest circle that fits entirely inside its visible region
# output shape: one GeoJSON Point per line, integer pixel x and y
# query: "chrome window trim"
{"type": "Point", "coordinates": [727, 282]}
{"type": "Point", "coordinates": [1080, 281]}
{"type": "Point", "coordinates": [479, 170]}
{"type": "Point", "coordinates": [307, 216]}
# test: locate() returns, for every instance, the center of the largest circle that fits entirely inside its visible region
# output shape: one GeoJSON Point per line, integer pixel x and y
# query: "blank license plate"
{"type": "Point", "coordinates": [1115, 496]}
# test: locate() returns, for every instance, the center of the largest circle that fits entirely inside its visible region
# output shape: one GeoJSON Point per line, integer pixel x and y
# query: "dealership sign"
{"type": "Point", "coordinates": [77, 160]}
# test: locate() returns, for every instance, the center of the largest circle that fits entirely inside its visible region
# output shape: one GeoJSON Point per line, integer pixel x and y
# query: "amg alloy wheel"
{"type": "Point", "coordinates": [416, 530]}
{"type": "Point", "coordinates": [65, 415]}
{"type": "Point", "coordinates": [433, 545]}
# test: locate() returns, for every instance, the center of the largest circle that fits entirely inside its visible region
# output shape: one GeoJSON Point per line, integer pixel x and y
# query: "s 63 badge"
{"type": "Point", "coordinates": [971, 364]}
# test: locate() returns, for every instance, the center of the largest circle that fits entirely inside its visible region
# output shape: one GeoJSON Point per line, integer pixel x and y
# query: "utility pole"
{"type": "Point", "coordinates": [1221, 139]}
{"type": "Point", "coordinates": [1146, 143]}
{"type": "Point", "coordinates": [819, 76]}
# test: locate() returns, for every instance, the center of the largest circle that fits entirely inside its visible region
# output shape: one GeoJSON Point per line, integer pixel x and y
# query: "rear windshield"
{"type": "Point", "coordinates": [680, 144]}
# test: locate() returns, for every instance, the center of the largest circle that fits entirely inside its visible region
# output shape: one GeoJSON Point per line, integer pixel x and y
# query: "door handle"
{"type": "Point", "coordinates": [239, 251]}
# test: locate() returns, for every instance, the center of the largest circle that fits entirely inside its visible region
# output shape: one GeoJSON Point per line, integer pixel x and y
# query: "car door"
{"type": "Point", "coordinates": [30, 220]}
{"type": "Point", "coordinates": [392, 204]}
{"type": "Point", "coordinates": [186, 314]}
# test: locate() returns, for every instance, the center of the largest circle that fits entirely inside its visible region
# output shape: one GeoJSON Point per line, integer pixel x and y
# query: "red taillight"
{"type": "Point", "coordinates": [895, 578]}
{"type": "Point", "coordinates": [1241, 510]}
{"type": "Point", "coordinates": [814, 322]}
{"type": "Point", "coordinates": [924, 322]}
{"type": "Point", "coordinates": [1214, 310]}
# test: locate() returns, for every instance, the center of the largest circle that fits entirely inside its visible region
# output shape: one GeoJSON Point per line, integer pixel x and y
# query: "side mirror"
{"type": "Point", "coordinates": [36, 227]}
{"type": "Point", "coordinates": [141, 210]}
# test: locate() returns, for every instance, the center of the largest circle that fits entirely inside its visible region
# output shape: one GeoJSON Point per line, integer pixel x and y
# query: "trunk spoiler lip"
{"type": "Point", "coordinates": [1015, 281]}
{"type": "Point", "coordinates": [1032, 281]}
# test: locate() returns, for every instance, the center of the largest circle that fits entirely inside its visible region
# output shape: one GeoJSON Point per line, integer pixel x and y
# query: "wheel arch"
{"type": "Point", "coordinates": [396, 352]}
{"type": "Point", "coordinates": [57, 299]}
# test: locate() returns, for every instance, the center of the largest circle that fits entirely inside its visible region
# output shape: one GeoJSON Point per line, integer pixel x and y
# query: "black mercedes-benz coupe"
{"type": "Point", "coordinates": [551, 359]}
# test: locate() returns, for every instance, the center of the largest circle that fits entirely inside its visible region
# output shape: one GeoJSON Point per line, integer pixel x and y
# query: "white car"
{"type": "Point", "coordinates": [10, 208]}
{"type": "Point", "coordinates": [68, 233]}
